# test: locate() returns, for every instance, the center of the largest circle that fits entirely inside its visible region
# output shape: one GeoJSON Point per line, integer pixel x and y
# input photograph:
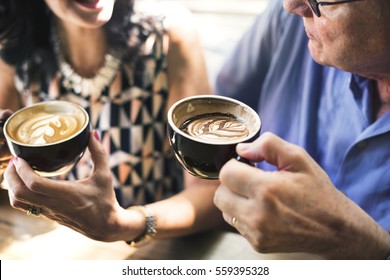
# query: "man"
{"type": "Point", "coordinates": [319, 79]}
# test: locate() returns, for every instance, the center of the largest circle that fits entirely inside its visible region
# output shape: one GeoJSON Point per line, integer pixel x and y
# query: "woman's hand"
{"type": "Point", "coordinates": [296, 208]}
{"type": "Point", "coordinates": [88, 206]}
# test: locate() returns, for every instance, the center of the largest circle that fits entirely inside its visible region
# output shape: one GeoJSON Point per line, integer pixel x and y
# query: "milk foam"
{"type": "Point", "coordinates": [46, 128]}
{"type": "Point", "coordinates": [216, 128]}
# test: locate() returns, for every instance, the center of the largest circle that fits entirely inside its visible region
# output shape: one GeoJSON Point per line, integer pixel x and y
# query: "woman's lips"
{"type": "Point", "coordinates": [92, 4]}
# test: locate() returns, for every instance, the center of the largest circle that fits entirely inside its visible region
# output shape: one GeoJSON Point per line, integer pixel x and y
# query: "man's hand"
{"type": "Point", "coordinates": [296, 208]}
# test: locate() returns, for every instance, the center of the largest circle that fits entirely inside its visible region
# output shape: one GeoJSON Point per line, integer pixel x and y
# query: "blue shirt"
{"type": "Point", "coordinates": [325, 110]}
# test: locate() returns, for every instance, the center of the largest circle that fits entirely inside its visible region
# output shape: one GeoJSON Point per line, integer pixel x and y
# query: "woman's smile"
{"type": "Point", "coordinates": [91, 4]}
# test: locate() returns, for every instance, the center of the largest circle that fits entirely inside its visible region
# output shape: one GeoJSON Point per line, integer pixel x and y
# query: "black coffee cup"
{"type": "Point", "coordinates": [204, 156]}
{"type": "Point", "coordinates": [51, 136]}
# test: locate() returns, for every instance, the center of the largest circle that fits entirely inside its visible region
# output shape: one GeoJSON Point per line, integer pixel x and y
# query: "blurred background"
{"type": "Point", "coordinates": [221, 23]}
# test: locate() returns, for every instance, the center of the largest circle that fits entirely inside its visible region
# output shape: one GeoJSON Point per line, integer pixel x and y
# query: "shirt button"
{"type": "Point", "coordinates": [362, 144]}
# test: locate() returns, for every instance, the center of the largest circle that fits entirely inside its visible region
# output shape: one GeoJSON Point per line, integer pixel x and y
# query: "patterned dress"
{"type": "Point", "coordinates": [130, 117]}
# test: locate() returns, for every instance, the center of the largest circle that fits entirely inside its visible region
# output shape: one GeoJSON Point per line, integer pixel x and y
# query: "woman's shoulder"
{"type": "Point", "coordinates": [154, 24]}
{"type": "Point", "coordinates": [148, 29]}
{"type": "Point", "coordinates": [149, 16]}
{"type": "Point", "coordinates": [170, 17]}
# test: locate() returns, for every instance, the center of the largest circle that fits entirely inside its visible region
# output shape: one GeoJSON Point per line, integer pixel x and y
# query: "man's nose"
{"type": "Point", "coordinates": [298, 7]}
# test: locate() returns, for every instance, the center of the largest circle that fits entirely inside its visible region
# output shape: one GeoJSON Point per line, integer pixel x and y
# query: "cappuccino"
{"type": "Point", "coordinates": [204, 130]}
{"type": "Point", "coordinates": [51, 136]}
{"type": "Point", "coordinates": [215, 128]}
{"type": "Point", "coordinates": [42, 125]}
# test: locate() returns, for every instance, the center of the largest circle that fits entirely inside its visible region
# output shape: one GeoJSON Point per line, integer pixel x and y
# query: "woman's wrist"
{"type": "Point", "coordinates": [127, 225]}
{"type": "Point", "coordinates": [150, 226]}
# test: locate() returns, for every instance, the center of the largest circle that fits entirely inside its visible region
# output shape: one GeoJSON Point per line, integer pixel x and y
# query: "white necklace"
{"type": "Point", "coordinates": [93, 86]}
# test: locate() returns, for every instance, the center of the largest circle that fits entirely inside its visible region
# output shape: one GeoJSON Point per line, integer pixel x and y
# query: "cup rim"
{"type": "Point", "coordinates": [9, 138]}
{"type": "Point", "coordinates": [208, 96]}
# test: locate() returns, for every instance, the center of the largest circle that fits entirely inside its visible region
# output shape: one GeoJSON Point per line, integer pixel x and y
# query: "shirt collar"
{"type": "Point", "coordinates": [362, 90]}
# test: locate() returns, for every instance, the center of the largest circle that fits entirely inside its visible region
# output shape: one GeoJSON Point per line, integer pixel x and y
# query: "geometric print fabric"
{"type": "Point", "coordinates": [131, 123]}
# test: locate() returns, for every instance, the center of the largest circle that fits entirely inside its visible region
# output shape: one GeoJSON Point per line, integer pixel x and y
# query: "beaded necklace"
{"type": "Point", "coordinates": [79, 85]}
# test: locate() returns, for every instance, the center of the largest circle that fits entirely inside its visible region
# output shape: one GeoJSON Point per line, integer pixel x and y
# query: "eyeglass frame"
{"type": "Point", "coordinates": [315, 5]}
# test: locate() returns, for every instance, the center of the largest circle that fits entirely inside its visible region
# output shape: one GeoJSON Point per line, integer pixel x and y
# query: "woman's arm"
{"type": "Point", "coordinates": [187, 73]}
{"type": "Point", "coordinates": [9, 96]}
{"type": "Point", "coordinates": [190, 211]}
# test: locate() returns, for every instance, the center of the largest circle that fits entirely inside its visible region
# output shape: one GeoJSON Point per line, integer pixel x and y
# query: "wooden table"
{"type": "Point", "coordinates": [27, 237]}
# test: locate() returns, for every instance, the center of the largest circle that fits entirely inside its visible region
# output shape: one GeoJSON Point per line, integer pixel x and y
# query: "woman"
{"type": "Point", "coordinates": [126, 68]}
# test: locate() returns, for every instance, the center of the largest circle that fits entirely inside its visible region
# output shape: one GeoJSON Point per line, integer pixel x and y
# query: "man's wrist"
{"type": "Point", "coordinates": [388, 256]}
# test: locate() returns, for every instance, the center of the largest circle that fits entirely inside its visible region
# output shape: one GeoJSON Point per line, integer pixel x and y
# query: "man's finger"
{"type": "Point", "coordinates": [240, 177]}
{"type": "Point", "coordinates": [274, 150]}
{"type": "Point", "coordinates": [229, 203]}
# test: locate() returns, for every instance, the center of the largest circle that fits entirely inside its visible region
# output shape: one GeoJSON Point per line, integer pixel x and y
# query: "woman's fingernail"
{"type": "Point", "coordinates": [96, 135]}
{"type": "Point", "coordinates": [15, 161]}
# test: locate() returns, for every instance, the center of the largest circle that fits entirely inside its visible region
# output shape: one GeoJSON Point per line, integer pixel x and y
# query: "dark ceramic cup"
{"type": "Point", "coordinates": [51, 136]}
{"type": "Point", "coordinates": [194, 126]}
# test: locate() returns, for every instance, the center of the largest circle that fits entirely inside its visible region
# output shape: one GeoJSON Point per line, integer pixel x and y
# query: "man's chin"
{"type": "Point", "coordinates": [316, 53]}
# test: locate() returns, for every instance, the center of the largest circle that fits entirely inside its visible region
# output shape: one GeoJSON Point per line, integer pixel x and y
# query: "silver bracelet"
{"type": "Point", "coordinates": [150, 226]}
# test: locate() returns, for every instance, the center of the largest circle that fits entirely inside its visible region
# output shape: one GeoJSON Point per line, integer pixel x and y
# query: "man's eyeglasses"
{"type": "Point", "coordinates": [315, 6]}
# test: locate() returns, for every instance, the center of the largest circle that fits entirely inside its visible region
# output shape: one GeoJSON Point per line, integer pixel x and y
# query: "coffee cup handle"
{"type": "Point", "coordinates": [244, 160]}
{"type": "Point", "coordinates": [2, 122]}
{"type": "Point", "coordinates": [5, 154]}
{"type": "Point", "coordinates": [4, 150]}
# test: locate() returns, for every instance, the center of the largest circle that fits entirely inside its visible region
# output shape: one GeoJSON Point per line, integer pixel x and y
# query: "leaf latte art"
{"type": "Point", "coordinates": [46, 128]}
{"type": "Point", "coordinates": [215, 127]}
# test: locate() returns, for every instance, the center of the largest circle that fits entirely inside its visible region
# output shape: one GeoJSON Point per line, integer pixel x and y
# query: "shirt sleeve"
{"type": "Point", "coordinates": [244, 71]}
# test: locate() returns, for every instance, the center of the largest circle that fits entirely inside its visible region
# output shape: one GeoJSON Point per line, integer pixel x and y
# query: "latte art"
{"type": "Point", "coordinates": [46, 128]}
{"type": "Point", "coordinates": [216, 127]}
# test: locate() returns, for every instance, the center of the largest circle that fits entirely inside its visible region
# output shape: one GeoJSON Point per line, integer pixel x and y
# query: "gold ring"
{"type": "Point", "coordinates": [234, 221]}
{"type": "Point", "coordinates": [33, 210]}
